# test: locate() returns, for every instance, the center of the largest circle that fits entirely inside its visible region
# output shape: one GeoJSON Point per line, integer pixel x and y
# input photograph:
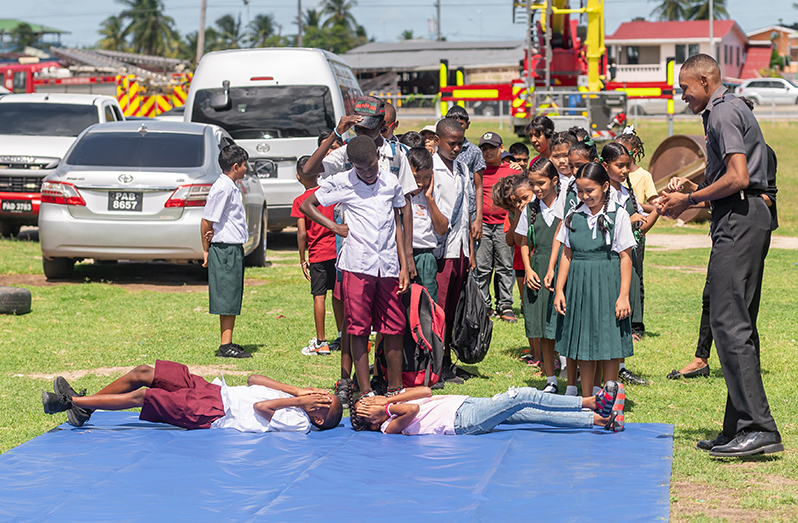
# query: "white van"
{"type": "Point", "coordinates": [274, 102]}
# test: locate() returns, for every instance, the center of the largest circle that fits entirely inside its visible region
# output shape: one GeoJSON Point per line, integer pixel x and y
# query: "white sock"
{"type": "Point", "coordinates": [571, 390]}
{"type": "Point", "coordinates": [596, 390]}
{"type": "Point", "coordinates": [623, 366]}
{"type": "Point", "coordinates": [551, 379]}
{"type": "Point", "coordinates": [563, 362]}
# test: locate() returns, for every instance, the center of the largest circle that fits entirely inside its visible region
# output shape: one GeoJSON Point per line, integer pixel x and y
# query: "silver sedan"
{"type": "Point", "coordinates": [136, 191]}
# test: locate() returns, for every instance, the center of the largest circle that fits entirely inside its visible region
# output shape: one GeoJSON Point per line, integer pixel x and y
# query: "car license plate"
{"type": "Point", "coordinates": [124, 201]}
{"type": "Point", "coordinates": [16, 206]}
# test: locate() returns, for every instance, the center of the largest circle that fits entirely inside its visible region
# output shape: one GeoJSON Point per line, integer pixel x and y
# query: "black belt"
{"type": "Point", "coordinates": [736, 197]}
{"type": "Point", "coordinates": [416, 252]}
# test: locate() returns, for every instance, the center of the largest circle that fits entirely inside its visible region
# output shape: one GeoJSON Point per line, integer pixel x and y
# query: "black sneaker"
{"type": "Point", "coordinates": [509, 316]}
{"type": "Point", "coordinates": [462, 373]}
{"type": "Point", "coordinates": [551, 388]}
{"type": "Point", "coordinates": [232, 351]}
{"type": "Point", "coordinates": [53, 402]}
{"type": "Point", "coordinates": [628, 376]}
{"type": "Point", "coordinates": [439, 385]}
{"type": "Point", "coordinates": [76, 416]}
{"type": "Point", "coordinates": [342, 388]}
{"type": "Point", "coordinates": [449, 376]}
{"type": "Point", "coordinates": [335, 344]}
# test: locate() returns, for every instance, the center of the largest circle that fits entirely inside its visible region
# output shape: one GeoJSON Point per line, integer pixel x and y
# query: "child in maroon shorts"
{"type": "Point", "coordinates": [372, 256]}
{"type": "Point", "coordinates": [177, 397]}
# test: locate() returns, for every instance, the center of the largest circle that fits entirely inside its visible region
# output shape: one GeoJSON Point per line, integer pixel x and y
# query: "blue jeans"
{"type": "Point", "coordinates": [521, 405]}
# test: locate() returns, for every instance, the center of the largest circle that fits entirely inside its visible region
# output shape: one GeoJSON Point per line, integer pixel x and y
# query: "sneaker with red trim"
{"type": "Point", "coordinates": [605, 399]}
{"type": "Point", "coordinates": [616, 422]}
{"type": "Point", "coordinates": [316, 348]}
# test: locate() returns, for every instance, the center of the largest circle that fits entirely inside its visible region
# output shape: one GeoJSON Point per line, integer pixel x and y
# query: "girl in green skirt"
{"type": "Point", "coordinates": [592, 291]}
{"type": "Point", "coordinates": [536, 227]}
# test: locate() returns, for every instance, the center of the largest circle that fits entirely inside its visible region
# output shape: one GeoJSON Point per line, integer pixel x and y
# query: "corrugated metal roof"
{"type": "Point", "coordinates": [8, 24]}
{"type": "Point", "coordinates": [425, 55]}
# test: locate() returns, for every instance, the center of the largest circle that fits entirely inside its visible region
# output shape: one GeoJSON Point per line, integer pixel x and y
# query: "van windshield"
{"type": "Point", "coordinates": [258, 113]}
{"type": "Point", "coordinates": [46, 119]}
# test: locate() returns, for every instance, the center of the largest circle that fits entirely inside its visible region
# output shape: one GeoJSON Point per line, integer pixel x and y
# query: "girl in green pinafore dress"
{"type": "Point", "coordinates": [581, 152]}
{"type": "Point", "coordinates": [617, 161]}
{"type": "Point", "coordinates": [592, 292]}
{"type": "Point", "coordinates": [536, 227]}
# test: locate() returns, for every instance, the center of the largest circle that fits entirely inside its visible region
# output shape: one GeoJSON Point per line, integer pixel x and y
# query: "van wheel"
{"type": "Point", "coordinates": [58, 268]}
{"type": "Point", "coordinates": [14, 300]}
{"type": "Point", "coordinates": [257, 258]}
{"type": "Point", "coordinates": [9, 229]}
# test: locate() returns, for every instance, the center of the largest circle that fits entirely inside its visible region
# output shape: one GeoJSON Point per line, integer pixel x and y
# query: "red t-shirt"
{"type": "Point", "coordinates": [321, 240]}
{"type": "Point", "coordinates": [491, 214]}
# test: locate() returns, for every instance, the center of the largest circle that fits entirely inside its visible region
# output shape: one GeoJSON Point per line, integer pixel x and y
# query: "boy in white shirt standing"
{"type": "Point", "coordinates": [372, 256]}
{"type": "Point", "coordinates": [453, 183]}
{"type": "Point", "coordinates": [224, 233]}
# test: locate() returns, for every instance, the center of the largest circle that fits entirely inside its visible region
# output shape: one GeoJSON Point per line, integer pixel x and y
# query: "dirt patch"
{"type": "Point", "coordinates": [690, 270]}
{"type": "Point", "coordinates": [163, 283]}
{"type": "Point", "coordinates": [199, 370]}
{"type": "Point", "coordinates": [673, 242]}
{"type": "Point", "coordinates": [689, 500]}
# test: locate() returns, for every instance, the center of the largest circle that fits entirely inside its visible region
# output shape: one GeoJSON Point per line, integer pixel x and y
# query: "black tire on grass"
{"type": "Point", "coordinates": [58, 268]}
{"type": "Point", "coordinates": [9, 229]}
{"type": "Point", "coordinates": [14, 300]}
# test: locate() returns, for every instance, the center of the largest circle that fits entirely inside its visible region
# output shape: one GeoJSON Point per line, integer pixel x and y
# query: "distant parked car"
{"type": "Point", "coordinates": [766, 91]}
{"type": "Point", "coordinates": [35, 131]}
{"type": "Point", "coordinates": [136, 191]}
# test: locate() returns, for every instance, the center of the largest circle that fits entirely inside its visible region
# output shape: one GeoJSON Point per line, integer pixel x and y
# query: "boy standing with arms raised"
{"type": "Point", "coordinates": [224, 233]}
{"type": "Point", "coordinates": [372, 256]}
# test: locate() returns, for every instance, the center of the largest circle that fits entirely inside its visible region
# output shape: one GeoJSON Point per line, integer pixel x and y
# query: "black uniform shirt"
{"type": "Point", "coordinates": [731, 128]}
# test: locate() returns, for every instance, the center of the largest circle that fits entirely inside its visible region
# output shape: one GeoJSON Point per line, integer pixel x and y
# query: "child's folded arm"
{"type": "Point", "coordinates": [404, 414]}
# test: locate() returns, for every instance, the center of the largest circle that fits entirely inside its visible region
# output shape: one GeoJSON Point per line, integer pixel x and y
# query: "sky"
{"type": "Point", "coordinates": [463, 20]}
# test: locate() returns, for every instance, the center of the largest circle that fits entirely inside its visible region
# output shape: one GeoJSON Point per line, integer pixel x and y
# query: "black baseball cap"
{"type": "Point", "coordinates": [490, 139]}
{"type": "Point", "coordinates": [372, 109]}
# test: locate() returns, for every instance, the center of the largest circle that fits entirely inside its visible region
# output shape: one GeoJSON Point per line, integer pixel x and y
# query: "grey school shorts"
{"type": "Point", "coordinates": [225, 278]}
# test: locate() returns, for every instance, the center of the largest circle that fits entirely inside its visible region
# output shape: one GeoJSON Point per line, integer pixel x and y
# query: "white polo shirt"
{"type": "Point", "coordinates": [392, 159]}
{"type": "Point", "coordinates": [370, 247]}
{"type": "Point", "coordinates": [225, 209]}
{"type": "Point", "coordinates": [448, 185]}
{"type": "Point", "coordinates": [424, 236]}
{"type": "Point", "coordinates": [547, 213]}
{"type": "Point", "coordinates": [239, 411]}
{"type": "Point", "coordinates": [620, 197]}
{"type": "Point", "coordinates": [619, 233]}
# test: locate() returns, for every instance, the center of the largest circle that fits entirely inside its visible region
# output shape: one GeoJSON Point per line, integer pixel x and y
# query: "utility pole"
{"type": "Point", "coordinates": [547, 25]}
{"type": "Point", "coordinates": [299, 23]}
{"type": "Point", "coordinates": [201, 32]}
{"type": "Point", "coordinates": [249, 29]}
{"type": "Point", "coordinates": [438, 19]}
{"type": "Point", "coordinates": [712, 30]}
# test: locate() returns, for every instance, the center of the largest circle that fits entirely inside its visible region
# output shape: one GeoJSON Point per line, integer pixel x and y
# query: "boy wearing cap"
{"type": "Point", "coordinates": [430, 138]}
{"type": "Point", "coordinates": [372, 256]}
{"type": "Point", "coordinates": [494, 256]}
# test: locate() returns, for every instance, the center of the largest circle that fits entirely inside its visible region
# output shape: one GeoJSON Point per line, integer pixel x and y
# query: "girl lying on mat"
{"type": "Point", "coordinates": [417, 411]}
{"type": "Point", "coordinates": [169, 393]}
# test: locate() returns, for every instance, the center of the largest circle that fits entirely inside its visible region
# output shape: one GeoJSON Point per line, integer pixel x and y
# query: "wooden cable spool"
{"type": "Point", "coordinates": [683, 156]}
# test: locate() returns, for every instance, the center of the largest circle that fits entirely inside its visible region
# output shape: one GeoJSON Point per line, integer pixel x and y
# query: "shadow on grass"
{"type": "Point", "coordinates": [142, 273]}
{"type": "Point", "coordinates": [281, 241]}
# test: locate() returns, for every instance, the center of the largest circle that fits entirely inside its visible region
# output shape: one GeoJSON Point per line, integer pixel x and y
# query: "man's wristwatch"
{"type": "Point", "coordinates": [690, 199]}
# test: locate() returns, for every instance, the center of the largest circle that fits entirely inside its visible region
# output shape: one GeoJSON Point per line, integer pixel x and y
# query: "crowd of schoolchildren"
{"type": "Point", "coordinates": [382, 212]}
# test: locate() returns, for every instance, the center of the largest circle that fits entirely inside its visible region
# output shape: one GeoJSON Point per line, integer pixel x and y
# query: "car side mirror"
{"type": "Point", "coordinates": [221, 101]}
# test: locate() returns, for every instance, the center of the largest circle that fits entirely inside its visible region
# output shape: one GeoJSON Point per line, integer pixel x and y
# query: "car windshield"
{"type": "Point", "coordinates": [46, 119]}
{"type": "Point", "coordinates": [139, 150]}
{"type": "Point", "coordinates": [258, 113]}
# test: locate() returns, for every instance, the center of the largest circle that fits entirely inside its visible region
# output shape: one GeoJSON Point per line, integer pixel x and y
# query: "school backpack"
{"type": "Point", "coordinates": [473, 328]}
{"type": "Point", "coordinates": [423, 342]}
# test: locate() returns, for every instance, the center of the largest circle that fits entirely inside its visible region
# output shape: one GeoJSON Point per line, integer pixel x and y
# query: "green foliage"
{"type": "Point", "coordinates": [688, 10]}
{"type": "Point", "coordinates": [699, 10]}
{"type": "Point", "coordinates": [23, 36]}
{"type": "Point", "coordinates": [149, 29]}
{"type": "Point", "coordinates": [262, 29]}
{"type": "Point", "coordinates": [407, 34]}
{"type": "Point", "coordinates": [229, 30]}
{"type": "Point", "coordinates": [112, 29]}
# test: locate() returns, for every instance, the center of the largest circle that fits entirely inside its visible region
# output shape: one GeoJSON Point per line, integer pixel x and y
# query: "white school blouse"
{"type": "Point", "coordinates": [547, 213]}
{"type": "Point", "coordinates": [370, 247]}
{"type": "Point", "coordinates": [391, 159]}
{"type": "Point", "coordinates": [239, 411]}
{"type": "Point", "coordinates": [619, 233]}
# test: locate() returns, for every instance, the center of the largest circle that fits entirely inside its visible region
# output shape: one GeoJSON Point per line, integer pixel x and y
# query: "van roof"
{"type": "Point", "coordinates": [153, 126]}
{"type": "Point", "coordinates": [56, 98]}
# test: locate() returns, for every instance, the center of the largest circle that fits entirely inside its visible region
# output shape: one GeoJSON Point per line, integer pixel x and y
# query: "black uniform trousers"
{"type": "Point", "coordinates": [740, 238]}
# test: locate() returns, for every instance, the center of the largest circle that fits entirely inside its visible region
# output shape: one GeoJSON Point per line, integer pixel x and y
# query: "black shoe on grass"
{"type": "Point", "coordinates": [342, 388]}
{"type": "Point", "coordinates": [76, 416]}
{"type": "Point", "coordinates": [54, 403]}
{"type": "Point", "coordinates": [630, 377]}
{"type": "Point", "coordinates": [232, 350]}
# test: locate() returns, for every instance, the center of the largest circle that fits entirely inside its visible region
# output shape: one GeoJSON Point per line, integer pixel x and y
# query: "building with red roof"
{"type": "Point", "coordinates": [641, 50]}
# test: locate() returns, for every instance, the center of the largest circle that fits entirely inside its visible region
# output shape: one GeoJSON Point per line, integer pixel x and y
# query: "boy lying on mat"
{"type": "Point", "coordinates": [177, 397]}
{"type": "Point", "coordinates": [416, 411]}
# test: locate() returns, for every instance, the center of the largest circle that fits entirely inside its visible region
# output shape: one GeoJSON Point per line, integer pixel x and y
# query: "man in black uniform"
{"type": "Point", "coordinates": [736, 175]}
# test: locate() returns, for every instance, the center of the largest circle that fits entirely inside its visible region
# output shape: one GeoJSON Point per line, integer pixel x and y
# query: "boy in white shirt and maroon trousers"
{"type": "Point", "coordinates": [372, 256]}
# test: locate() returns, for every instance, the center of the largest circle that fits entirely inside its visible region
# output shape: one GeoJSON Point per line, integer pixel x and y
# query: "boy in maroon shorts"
{"type": "Point", "coordinates": [372, 256]}
{"type": "Point", "coordinates": [177, 397]}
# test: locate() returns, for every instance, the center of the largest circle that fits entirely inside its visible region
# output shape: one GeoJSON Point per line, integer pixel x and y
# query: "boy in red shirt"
{"type": "Point", "coordinates": [493, 253]}
{"type": "Point", "coordinates": [320, 272]}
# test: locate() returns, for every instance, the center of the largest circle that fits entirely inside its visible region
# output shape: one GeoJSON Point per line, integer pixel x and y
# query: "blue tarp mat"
{"type": "Point", "coordinates": [117, 468]}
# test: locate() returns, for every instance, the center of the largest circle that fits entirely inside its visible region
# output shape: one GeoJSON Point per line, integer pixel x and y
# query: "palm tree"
{"type": "Point", "coordinates": [113, 34]}
{"type": "Point", "coordinates": [262, 29]}
{"type": "Point", "coordinates": [670, 9]}
{"type": "Point", "coordinates": [312, 19]}
{"type": "Point", "coordinates": [406, 35]}
{"type": "Point", "coordinates": [152, 31]}
{"type": "Point", "coordinates": [230, 31]}
{"type": "Point", "coordinates": [187, 48]}
{"type": "Point", "coordinates": [340, 13]}
{"type": "Point", "coordinates": [699, 10]}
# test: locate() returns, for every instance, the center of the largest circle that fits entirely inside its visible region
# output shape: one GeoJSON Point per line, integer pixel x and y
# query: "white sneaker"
{"type": "Point", "coordinates": [316, 348]}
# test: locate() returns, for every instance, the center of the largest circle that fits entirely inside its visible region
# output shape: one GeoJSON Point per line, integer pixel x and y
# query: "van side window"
{"type": "Point", "coordinates": [109, 114]}
{"type": "Point", "coordinates": [118, 113]}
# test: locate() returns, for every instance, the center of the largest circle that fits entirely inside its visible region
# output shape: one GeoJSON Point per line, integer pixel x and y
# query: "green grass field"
{"type": "Point", "coordinates": [94, 322]}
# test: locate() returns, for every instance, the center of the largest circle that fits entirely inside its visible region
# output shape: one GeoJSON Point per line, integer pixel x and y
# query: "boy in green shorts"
{"type": "Point", "coordinates": [224, 232]}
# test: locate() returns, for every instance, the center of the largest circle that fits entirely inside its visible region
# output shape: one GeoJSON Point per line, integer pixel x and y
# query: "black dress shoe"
{"type": "Point", "coordinates": [628, 376]}
{"type": "Point", "coordinates": [707, 444]}
{"type": "Point", "coordinates": [748, 444]}
{"type": "Point", "coordinates": [702, 372]}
